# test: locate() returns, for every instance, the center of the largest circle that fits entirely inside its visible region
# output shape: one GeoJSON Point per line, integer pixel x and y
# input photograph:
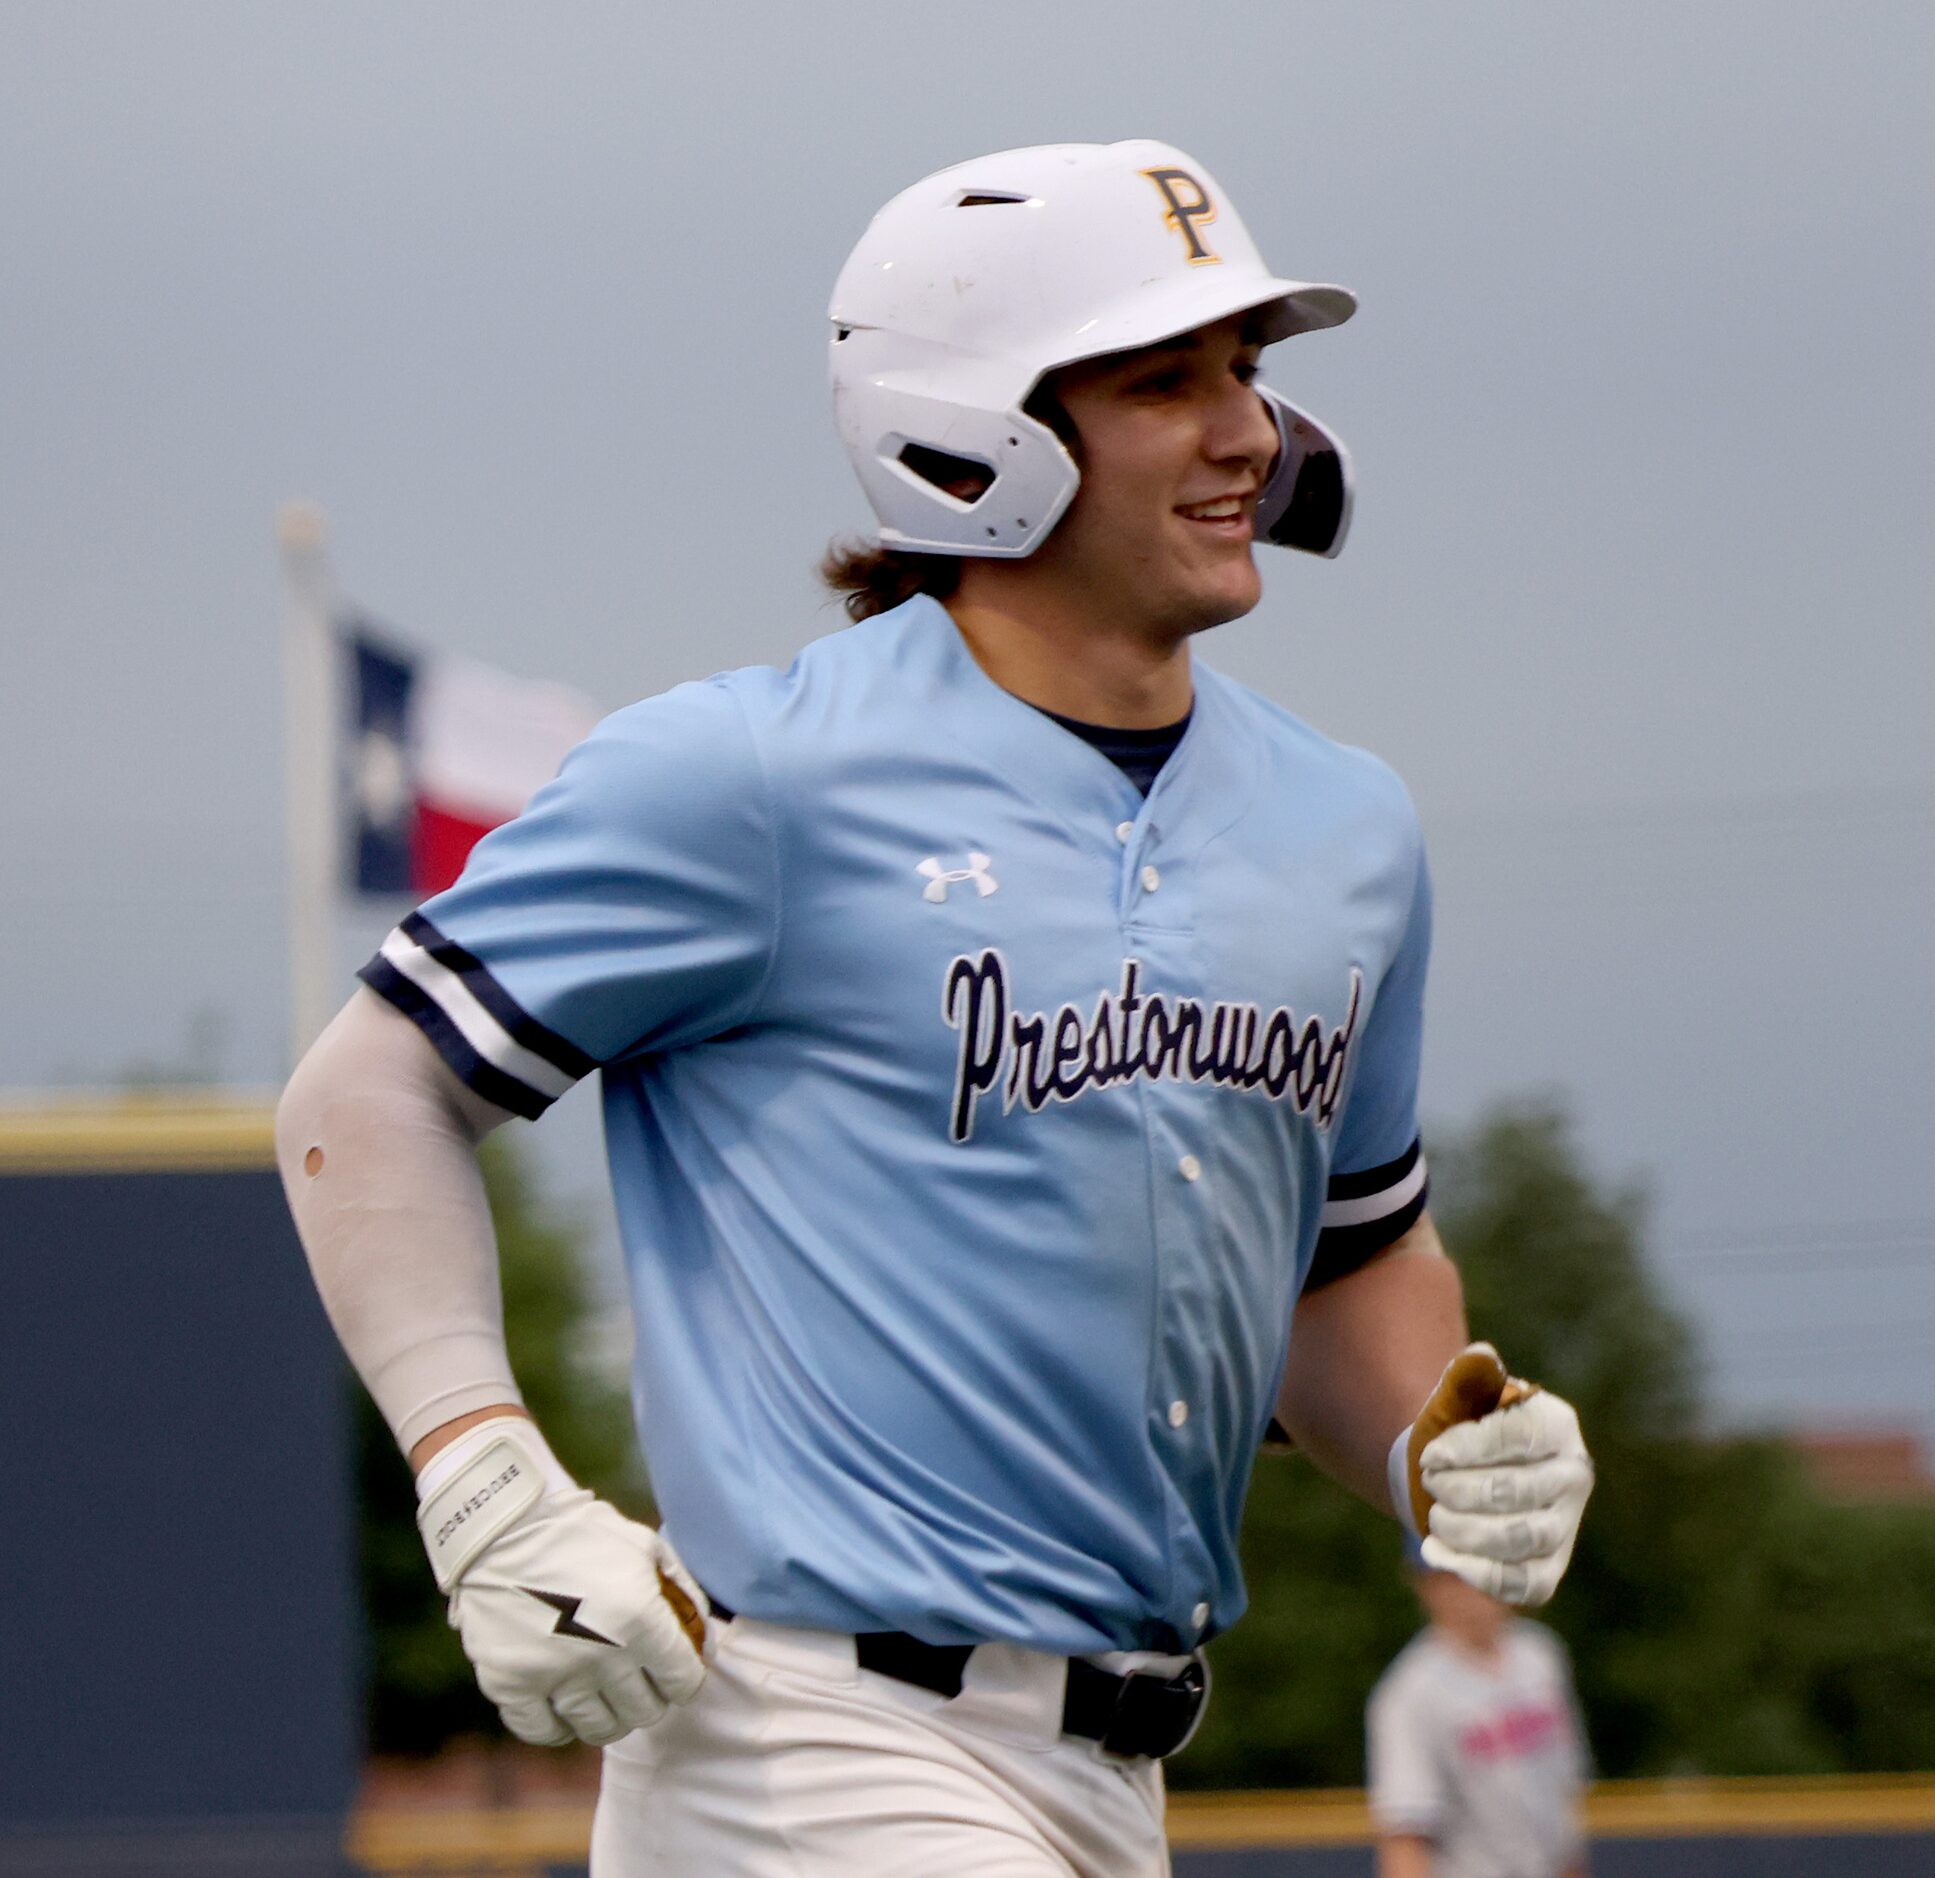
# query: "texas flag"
{"type": "Point", "coordinates": [441, 750]}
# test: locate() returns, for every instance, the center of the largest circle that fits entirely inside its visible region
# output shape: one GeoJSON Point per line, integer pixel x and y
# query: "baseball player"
{"type": "Point", "coordinates": [1009, 1035]}
{"type": "Point", "coordinates": [1477, 1753]}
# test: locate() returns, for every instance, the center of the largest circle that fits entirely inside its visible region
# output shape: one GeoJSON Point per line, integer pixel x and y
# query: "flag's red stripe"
{"type": "Point", "coordinates": [440, 844]}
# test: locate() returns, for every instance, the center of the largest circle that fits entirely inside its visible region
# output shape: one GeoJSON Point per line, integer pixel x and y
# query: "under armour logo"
{"type": "Point", "coordinates": [567, 1610]}
{"type": "Point", "coordinates": [940, 878]}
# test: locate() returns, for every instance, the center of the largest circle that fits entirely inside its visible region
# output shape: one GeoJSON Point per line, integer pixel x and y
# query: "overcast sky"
{"type": "Point", "coordinates": [531, 299]}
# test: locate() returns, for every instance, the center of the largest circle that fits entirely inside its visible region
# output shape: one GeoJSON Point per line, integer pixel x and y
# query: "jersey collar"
{"type": "Point", "coordinates": [1208, 780]}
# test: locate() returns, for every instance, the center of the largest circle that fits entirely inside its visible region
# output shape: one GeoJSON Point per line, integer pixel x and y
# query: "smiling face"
{"type": "Point", "coordinates": [1174, 450]}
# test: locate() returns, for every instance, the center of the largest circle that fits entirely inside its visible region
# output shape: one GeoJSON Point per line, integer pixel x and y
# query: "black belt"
{"type": "Point", "coordinates": [1133, 1715]}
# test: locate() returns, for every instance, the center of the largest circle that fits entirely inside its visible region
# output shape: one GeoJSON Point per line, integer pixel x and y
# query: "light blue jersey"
{"type": "Point", "coordinates": [972, 1119]}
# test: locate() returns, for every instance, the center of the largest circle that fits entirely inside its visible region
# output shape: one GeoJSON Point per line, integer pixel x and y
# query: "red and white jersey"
{"type": "Point", "coordinates": [1484, 1757]}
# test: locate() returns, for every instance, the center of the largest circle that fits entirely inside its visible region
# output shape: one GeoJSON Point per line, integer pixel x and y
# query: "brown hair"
{"type": "Point", "coordinates": [872, 578]}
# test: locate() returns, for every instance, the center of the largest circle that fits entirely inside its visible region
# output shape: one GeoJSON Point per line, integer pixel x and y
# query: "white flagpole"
{"type": "Point", "coordinates": [312, 722]}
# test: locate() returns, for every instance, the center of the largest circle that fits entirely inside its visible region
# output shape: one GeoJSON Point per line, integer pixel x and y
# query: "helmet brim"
{"type": "Point", "coordinates": [1156, 313]}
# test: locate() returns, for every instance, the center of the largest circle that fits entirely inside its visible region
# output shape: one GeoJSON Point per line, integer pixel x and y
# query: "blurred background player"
{"type": "Point", "coordinates": [1478, 1754]}
{"type": "Point", "coordinates": [1009, 1029]}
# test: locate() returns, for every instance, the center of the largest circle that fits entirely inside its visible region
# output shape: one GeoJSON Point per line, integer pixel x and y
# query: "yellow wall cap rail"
{"type": "Point", "coordinates": [523, 1839]}
{"type": "Point", "coordinates": [125, 1132]}
{"type": "Point", "coordinates": [1615, 1809]}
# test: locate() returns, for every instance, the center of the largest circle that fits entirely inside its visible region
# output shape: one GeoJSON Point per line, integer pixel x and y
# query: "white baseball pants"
{"type": "Point", "coordinates": [793, 1762]}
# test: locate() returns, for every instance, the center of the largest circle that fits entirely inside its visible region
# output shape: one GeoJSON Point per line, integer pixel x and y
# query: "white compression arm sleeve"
{"type": "Point", "coordinates": [377, 1140]}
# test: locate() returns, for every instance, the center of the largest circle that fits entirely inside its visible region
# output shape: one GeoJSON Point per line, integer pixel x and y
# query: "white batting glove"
{"type": "Point", "coordinates": [580, 1623]}
{"type": "Point", "coordinates": [1493, 1477]}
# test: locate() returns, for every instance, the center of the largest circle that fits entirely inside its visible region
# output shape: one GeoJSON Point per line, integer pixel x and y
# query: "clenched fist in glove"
{"type": "Point", "coordinates": [580, 1623]}
{"type": "Point", "coordinates": [1493, 1477]}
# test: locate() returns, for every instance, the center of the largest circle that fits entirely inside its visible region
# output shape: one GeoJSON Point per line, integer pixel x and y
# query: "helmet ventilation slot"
{"type": "Point", "coordinates": [966, 478]}
{"type": "Point", "coordinates": [988, 199]}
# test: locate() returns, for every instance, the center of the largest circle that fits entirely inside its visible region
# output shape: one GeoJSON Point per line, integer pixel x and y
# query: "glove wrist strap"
{"type": "Point", "coordinates": [1397, 1477]}
{"type": "Point", "coordinates": [487, 1480]}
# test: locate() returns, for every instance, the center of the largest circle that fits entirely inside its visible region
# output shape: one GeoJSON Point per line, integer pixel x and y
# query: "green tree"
{"type": "Point", "coordinates": [421, 1692]}
{"type": "Point", "coordinates": [1722, 1617]}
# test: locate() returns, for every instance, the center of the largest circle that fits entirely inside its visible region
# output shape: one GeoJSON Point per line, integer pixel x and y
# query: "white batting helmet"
{"type": "Point", "coordinates": [969, 287]}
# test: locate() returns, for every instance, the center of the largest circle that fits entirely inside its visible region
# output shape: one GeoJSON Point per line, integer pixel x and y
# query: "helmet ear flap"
{"type": "Point", "coordinates": [944, 474]}
{"type": "Point", "coordinates": [1306, 504]}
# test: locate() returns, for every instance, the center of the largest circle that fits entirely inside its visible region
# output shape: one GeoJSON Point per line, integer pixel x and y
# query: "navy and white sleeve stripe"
{"type": "Point", "coordinates": [1364, 1212]}
{"type": "Point", "coordinates": [496, 1048]}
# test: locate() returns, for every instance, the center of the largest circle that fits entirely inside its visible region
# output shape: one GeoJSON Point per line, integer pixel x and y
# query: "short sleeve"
{"type": "Point", "coordinates": [1377, 1173]}
{"type": "Point", "coordinates": [1406, 1778]}
{"type": "Point", "coordinates": [633, 906]}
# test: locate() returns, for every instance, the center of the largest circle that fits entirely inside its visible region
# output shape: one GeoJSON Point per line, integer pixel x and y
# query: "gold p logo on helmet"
{"type": "Point", "coordinates": [1188, 207]}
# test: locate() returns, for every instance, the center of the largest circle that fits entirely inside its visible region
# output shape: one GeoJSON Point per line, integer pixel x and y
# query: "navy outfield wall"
{"type": "Point", "coordinates": [180, 1644]}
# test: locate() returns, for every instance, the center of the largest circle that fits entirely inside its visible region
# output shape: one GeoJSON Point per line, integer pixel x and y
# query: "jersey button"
{"type": "Point", "coordinates": [1151, 880]}
{"type": "Point", "coordinates": [1199, 1616]}
{"type": "Point", "coordinates": [1190, 1168]}
{"type": "Point", "coordinates": [1123, 830]}
{"type": "Point", "coordinates": [1178, 1412]}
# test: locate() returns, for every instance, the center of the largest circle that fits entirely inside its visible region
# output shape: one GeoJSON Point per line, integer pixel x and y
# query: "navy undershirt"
{"type": "Point", "coordinates": [1138, 754]}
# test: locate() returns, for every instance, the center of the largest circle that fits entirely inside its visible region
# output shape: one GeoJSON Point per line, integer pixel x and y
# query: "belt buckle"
{"type": "Point", "coordinates": [1157, 1716]}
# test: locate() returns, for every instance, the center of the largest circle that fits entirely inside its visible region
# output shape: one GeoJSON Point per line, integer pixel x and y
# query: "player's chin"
{"type": "Point", "coordinates": [1222, 589]}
